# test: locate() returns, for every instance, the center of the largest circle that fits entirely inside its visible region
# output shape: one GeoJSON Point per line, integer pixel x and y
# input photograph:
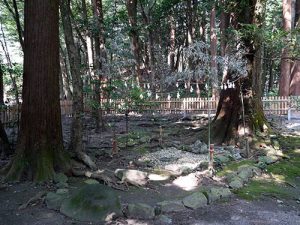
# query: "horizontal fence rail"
{"type": "Point", "coordinates": [10, 115]}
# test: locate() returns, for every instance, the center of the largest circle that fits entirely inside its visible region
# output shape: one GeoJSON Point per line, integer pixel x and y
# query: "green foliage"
{"type": "Point", "coordinates": [17, 72]}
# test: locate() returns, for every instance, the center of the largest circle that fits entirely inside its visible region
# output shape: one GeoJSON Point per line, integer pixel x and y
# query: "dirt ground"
{"type": "Point", "coordinates": [157, 132]}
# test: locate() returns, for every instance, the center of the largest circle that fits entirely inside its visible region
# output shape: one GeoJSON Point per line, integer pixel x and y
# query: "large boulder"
{"type": "Point", "coordinates": [93, 202]}
{"type": "Point", "coordinates": [195, 201]}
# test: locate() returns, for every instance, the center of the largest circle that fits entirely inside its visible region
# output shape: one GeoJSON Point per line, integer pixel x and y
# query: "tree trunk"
{"type": "Point", "coordinates": [40, 145]}
{"type": "Point", "coordinates": [100, 55]}
{"type": "Point", "coordinates": [76, 145]}
{"type": "Point", "coordinates": [1, 87]}
{"type": "Point", "coordinates": [285, 67]}
{"type": "Point", "coordinates": [228, 125]}
{"type": "Point", "coordinates": [295, 81]}
{"type": "Point", "coordinates": [213, 53]}
{"type": "Point", "coordinates": [131, 6]}
{"type": "Point", "coordinates": [295, 76]}
{"type": "Point", "coordinates": [5, 149]}
{"type": "Point", "coordinates": [65, 74]}
{"type": "Point", "coordinates": [172, 43]}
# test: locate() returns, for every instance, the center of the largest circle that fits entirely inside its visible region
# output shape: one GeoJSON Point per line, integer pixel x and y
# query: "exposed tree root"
{"type": "Point", "coordinates": [34, 199]}
{"type": "Point", "coordinates": [86, 160]}
{"type": "Point", "coordinates": [101, 176]}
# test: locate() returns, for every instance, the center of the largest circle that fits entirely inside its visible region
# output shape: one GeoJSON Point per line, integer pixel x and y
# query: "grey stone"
{"type": "Point", "coordinates": [60, 178]}
{"type": "Point", "coordinates": [54, 200]}
{"type": "Point", "coordinates": [171, 206]}
{"type": "Point", "coordinates": [140, 211]}
{"type": "Point", "coordinates": [195, 201]}
{"type": "Point", "coordinates": [261, 165]}
{"type": "Point", "coordinates": [91, 181]}
{"type": "Point", "coordinates": [134, 177]}
{"type": "Point", "coordinates": [199, 147]}
{"type": "Point", "coordinates": [229, 148]}
{"type": "Point", "coordinates": [216, 193]}
{"type": "Point", "coordinates": [62, 185]}
{"type": "Point", "coordinates": [268, 159]}
{"type": "Point", "coordinates": [62, 191]}
{"type": "Point", "coordinates": [236, 183]}
{"type": "Point", "coordinates": [245, 172]}
{"type": "Point", "coordinates": [93, 202]}
{"type": "Point", "coordinates": [222, 159]}
{"type": "Point", "coordinates": [163, 220]}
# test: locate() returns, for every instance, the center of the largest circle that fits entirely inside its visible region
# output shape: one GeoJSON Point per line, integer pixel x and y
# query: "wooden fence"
{"type": "Point", "coordinates": [272, 105]}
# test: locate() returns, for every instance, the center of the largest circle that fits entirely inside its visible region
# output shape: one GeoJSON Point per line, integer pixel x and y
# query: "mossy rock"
{"type": "Point", "coordinates": [54, 200]}
{"type": "Point", "coordinates": [268, 159]}
{"type": "Point", "coordinates": [140, 211]}
{"type": "Point", "coordinates": [60, 178]}
{"type": "Point", "coordinates": [195, 201]}
{"type": "Point", "coordinates": [216, 193]}
{"type": "Point", "coordinates": [236, 183]}
{"type": "Point", "coordinates": [93, 202]}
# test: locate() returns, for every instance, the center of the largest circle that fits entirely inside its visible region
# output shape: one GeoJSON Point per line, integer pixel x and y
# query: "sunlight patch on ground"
{"type": "Point", "coordinates": [293, 125]}
{"type": "Point", "coordinates": [136, 222]}
{"type": "Point", "coordinates": [187, 183]}
{"type": "Point", "coordinates": [158, 177]}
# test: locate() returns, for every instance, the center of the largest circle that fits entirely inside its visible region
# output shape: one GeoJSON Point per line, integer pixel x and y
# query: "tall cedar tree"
{"type": "Point", "coordinates": [228, 122]}
{"type": "Point", "coordinates": [40, 149]}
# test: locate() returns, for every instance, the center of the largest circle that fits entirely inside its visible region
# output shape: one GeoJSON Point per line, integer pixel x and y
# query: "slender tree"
{"type": "Point", "coordinates": [295, 76]}
{"type": "Point", "coordinates": [40, 145]}
{"type": "Point", "coordinates": [131, 6]}
{"type": "Point", "coordinates": [285, 67]}
{"type": "Point", "coordinates": [76, 145]}
{"type": "Point", "coordinates": [100, 55]}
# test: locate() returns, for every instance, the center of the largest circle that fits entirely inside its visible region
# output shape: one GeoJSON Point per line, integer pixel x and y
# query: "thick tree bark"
{"type": "Point", "coordinates": [40, 145]}
{"type": "Point", "coordinates": [228, 125]}
{"type": "Point", "coordinates": [76, 145]}
{"type": "Point", "coordinates": [285, 67]}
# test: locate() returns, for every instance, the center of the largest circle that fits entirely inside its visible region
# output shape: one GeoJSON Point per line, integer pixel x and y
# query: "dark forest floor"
{"type": "Point", "coordinates": [145, 147]}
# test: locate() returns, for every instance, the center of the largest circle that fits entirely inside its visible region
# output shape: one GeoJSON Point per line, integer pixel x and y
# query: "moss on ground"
{"type": "Point", "coordinates": [283, 177]}
{"type": "Point", "coordinates": [289, 142]}
{"type": "Point", "coordinates": [233, 167]}
{"type": "Point", "coordinates": [258, 188]}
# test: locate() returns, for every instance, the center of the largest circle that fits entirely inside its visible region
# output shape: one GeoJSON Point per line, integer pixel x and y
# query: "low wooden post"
{"type": "Point", "coordinates": [211, 157]}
